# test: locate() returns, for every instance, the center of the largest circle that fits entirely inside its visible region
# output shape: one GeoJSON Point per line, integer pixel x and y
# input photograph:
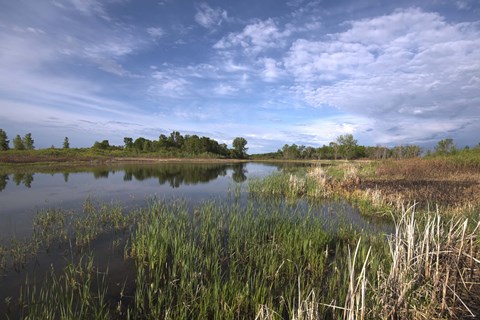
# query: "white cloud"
{"type": "Point", "coordinates": [90, 7]}
{"type": "Point", "coordinates": [272, 70]}
{"type": "Point", "coordinates": [410, 65]}
{"type": "Point", "coordinates": [209, 17]}
{"type": "Point", "coordinates": [155, 32]}
{"type": "Point", "coordinates": [225, 89]}
{"type": "Point", "coordinates": [255, 38]}
{"type": "Point", "coordinates": [167, 85]}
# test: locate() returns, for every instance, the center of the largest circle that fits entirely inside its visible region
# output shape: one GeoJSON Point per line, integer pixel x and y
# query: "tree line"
{"type": "Point", "coordinates": [175, 143]}
{"type": "Point", "coordinates": [346, 147]}
{"type": "Point", "coordinates": [179, 144]}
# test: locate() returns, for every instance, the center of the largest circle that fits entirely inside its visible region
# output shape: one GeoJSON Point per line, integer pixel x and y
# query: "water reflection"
{"type": "Point", "coordinates": [3, 181]}
{"type": "Point", "coordinates": [25, 178]}
{"type": "Point", "coordinates": [172, 174]}
{"type": "Point", "coordinates": [239, 174]}
{"type": "Point", "coordinates": [176, 175]}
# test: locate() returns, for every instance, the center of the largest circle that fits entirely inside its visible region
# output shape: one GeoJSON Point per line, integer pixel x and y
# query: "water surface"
{"type": "Point", "coordinates": [23, 193]}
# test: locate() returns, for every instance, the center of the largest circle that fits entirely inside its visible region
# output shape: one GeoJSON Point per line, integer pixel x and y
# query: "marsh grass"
{"type": "Point", "coordinates": [224, 262]}
{"type": "Point", "coordinates": [76, 293]}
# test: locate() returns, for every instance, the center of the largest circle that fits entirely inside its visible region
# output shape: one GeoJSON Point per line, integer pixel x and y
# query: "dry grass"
{"type": "Point", "coordinates": [435, 270]}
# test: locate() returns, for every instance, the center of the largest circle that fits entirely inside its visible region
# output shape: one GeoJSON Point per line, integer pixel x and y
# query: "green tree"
{"type": "Point", "coordinates": [239, 149]}
{"type": "Point", "coordinates": [4, 141]}
{"type": "Point", "coordinates": [28, 142]}
{"type": "Point", "coordinates": [347, 145]}
{"type": "Point", "coordinates": [128, 142]}
{"type": "Point", "coordinates": [104, 145]}
{"type": "Point", "coordinates": [334, 147]}
{"type": "Point", "coordinates": [445, 147]}
{"type": "Point", "coordinates": [66, 143]}
{"type": "Point", "coordinates": [18, 143]}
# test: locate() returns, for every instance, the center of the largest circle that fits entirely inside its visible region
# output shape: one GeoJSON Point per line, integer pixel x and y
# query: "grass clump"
{"type": "Point", "coordinates": [79, 292]}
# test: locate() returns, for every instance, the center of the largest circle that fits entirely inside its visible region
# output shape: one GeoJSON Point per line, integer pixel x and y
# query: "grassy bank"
{"type": "Point", "coordinates": [89, 155]}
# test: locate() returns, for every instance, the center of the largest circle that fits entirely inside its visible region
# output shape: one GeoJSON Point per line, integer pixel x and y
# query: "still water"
{"type": "Point", "coordinates": [23, 193]}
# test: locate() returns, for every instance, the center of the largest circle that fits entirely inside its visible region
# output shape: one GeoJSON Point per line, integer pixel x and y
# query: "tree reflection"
{"type": "Point", "coordinates": [176, 175]}
{"type": "Point", "coordinates": [25, 178]}
{"type": "Point", "coordinates": [3, 181]}
{"type": "Point", "coordinates": [239, 172]}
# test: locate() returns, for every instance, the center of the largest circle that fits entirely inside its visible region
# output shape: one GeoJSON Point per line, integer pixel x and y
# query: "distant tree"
{"type": "Point", "coordinates": [128, 143]}
{"type": "Point", "coordinates": [334, 147]}
{"type": "Point", "coordinates": [291, 152]}
{"type": "Point", "coordinates": [139, 144]}
{"type": "Point", "coordinates": [309, 153]}
{"type": "Point", "coordinates": [239, 149]}
{"type": "Point", "coordinates": [4, 141]}
{"type": "Point", "coordinates": [66, 143]}
{"type": "Point", "coordinates": [347, 145]}
{"type": "Point", "coordinates": [18, 143]}
{"type": "Point", "coordinates": [28, 142]}
{"type": "Point", "coordinates": [163, 142]}
{"type": "Point", "coordinates": [104, 145]}
{"type": "Point", "coordinates": [176, 139]}
{"type": "Point", "coordinates": [445, 147]}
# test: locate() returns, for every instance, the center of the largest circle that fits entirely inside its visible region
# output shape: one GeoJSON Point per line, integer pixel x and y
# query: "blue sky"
{"type": "Point", "coordinates": [274, 72]}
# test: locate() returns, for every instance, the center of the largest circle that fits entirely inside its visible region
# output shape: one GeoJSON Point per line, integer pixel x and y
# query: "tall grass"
{"type": "Point", "coordinates": [223, 262]}
{"type": "Point", "coordinates": [435, 269]}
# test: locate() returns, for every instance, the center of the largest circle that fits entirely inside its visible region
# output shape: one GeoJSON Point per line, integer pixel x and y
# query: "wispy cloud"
{"type": "Point", "coordinates": [255, 38]}
{"type": "Point", "coordinates": [156, 32]}
{"type": "Point", "coordinates": [209, 17]}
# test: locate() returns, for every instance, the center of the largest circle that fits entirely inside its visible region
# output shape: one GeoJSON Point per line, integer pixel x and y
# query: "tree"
{"type": "Point", "coordinates": [334, 147]}
{"type": "Point", "coordinates": [4, 141]}
{"type": "Point", "coordinates": [239, 149]}
{"type": "Point", "coordinates": [128, 143]}
{"type": "Point", "coordinates": [28, 142]}
{"type": "Point", "coordinates": [104, 145]}
{"type": "Point", "coordinates": [66, 143]}
{"type": "Point", "coordinates": [347, 145]}
{"type": "Point", "coordinates": [445, 147]}
{"type": "Point", "coordinates": [18, 143]}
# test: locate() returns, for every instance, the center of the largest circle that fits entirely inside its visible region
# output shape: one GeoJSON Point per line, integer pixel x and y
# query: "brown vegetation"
{"type": "Point", "coordinates": [428, 182]}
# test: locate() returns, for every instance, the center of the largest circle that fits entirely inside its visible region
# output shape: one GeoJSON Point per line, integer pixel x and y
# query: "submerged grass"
{"type": "Point", "coordinates": [77, 293]}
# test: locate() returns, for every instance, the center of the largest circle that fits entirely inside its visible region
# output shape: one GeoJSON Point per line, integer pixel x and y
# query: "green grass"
{"type": "Point", "coordinates": [225, 262]}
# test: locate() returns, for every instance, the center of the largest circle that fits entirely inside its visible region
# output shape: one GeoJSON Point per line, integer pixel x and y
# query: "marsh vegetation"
{"type": "Point", "coordinates": [284, 246]}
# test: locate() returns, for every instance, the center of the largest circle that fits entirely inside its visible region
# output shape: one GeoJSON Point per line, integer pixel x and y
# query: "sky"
{"type": "Point", "coordinates": [271, 71]}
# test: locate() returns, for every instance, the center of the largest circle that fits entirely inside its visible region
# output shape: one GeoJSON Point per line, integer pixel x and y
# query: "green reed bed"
{"type": "Point", "coordinates": [226, 262]}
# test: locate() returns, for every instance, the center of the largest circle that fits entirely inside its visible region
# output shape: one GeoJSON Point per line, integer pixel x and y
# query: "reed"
{"type": "Point", "coordinates": [222, 262]}
{"type": "Point", "coordinates": [435, 270]}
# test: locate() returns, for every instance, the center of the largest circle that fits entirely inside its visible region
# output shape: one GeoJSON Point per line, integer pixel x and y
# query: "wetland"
{"type": "Point", "coordinates": [245, 240]}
